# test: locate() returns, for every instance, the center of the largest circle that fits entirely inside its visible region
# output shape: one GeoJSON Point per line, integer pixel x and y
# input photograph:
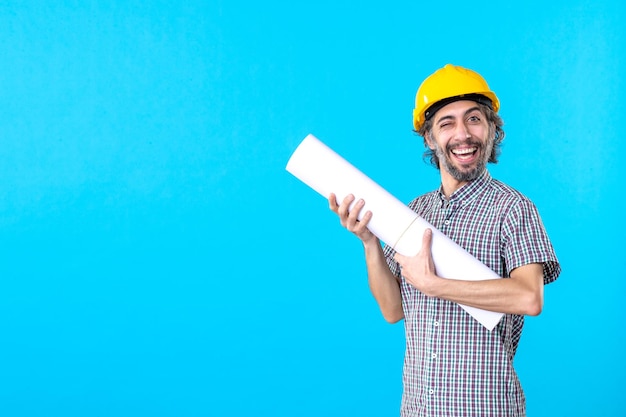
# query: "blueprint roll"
{"type": "Point", "coordinates": [392, 221]}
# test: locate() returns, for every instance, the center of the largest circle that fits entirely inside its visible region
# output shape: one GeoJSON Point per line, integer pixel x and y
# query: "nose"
{"type": "Point", "coordinates": [462, 132]}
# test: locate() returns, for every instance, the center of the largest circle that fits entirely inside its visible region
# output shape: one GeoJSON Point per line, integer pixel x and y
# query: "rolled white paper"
{"type": "Point", "coordinates": [393, 222]}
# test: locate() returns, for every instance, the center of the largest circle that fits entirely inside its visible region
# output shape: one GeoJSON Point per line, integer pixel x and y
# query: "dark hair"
{"type": "Point", "coordinates": [495, 128]}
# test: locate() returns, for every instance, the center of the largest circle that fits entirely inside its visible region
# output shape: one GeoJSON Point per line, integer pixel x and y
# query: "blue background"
{"type": "Point", "coordinates": [156, 259]}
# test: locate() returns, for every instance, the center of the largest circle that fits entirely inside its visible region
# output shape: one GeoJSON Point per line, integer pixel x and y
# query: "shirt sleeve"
{"type": "Point", "coordinates": [394, 267]}
{"type": "Point", "coordinates": [525, 241]}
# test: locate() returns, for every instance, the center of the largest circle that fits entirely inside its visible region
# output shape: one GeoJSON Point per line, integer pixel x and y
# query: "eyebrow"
{"type": "Point", "coordinates": [468, 111]}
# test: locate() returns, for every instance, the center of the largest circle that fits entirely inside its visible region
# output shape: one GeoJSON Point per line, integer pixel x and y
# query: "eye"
{"type": "Point", "coordinates": [473, 119]}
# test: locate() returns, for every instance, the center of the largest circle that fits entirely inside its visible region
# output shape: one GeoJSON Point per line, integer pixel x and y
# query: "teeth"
{"type": "Point", "coordinates": [463, 151]}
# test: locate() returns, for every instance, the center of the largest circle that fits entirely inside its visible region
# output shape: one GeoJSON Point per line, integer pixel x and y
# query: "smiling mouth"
{"type": "Point", "coordinates": [465, 154]}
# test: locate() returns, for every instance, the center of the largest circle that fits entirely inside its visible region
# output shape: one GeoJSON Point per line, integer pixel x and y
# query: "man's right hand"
{"type": "Point", "coordinates": [349, 218]}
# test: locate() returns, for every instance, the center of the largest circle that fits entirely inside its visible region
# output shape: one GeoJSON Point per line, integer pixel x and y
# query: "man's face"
{"type": "Point", "coordinates": [461, 140]}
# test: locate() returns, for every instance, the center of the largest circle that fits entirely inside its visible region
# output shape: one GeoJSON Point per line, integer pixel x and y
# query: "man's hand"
{"type": "Point", "coordinates": [349, 218]}
{"type": "Point", "coordinates": [419, 270]}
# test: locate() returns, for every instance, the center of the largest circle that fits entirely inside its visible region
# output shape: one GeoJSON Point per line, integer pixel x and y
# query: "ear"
{"type": "Point", "coordinates": [428, 140]}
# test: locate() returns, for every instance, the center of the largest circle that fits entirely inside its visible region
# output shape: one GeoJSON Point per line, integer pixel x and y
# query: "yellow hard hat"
{"type": "Point", "coordinates": [448, 84]}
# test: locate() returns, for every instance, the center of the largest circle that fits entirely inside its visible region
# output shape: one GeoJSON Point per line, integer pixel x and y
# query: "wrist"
{"type": "Point", "coordinates": [371, 243]}
{"type": "Point", "coordinates": [435, 288]}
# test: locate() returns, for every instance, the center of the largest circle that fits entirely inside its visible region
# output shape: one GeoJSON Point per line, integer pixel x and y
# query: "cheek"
{"type": "Point", "coordinates": [480, 131]}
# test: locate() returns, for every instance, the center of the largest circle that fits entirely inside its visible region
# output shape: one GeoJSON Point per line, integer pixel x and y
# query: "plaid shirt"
{"type": "Point", "coordinates": [454, 366]}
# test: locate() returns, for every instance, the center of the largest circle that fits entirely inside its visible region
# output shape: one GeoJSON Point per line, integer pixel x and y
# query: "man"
{"type": "Point", "coordinates": [453, 365]}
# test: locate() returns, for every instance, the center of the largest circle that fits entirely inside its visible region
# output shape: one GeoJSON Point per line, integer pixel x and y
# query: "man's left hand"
{"type": "Point", "coordinates": [419, 270]}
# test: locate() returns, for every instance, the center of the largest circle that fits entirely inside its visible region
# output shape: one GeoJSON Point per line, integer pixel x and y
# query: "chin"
{"type": "Point", "coordinates": [468, 174]}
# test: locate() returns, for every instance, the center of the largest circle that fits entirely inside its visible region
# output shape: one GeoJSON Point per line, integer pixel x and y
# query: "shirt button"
{"type": "Point", "coordinates": [434, 356]}
{"type": "Point", "coordinates": [431, 392]}
{"type": "Point", "coordinates": [447, 222]}
{"type": "Point", "coordinates": [436, 323]}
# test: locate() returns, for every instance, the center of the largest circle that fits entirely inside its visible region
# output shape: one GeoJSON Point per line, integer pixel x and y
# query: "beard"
{"type": "Point", "coordinates": [465, 173]}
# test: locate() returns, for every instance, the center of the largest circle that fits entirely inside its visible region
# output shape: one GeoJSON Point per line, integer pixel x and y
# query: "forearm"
{"type": "Point", "coordinates": [515, 295]}
{"type": "Point", "coordinates": [383, 284]}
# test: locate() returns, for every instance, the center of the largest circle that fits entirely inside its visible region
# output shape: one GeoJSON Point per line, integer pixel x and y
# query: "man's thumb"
{"type": "Point", "coordinates": [427, 239]}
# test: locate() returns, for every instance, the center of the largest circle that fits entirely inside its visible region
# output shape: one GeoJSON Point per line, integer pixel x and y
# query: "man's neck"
{"type": "Point", "coordinates": [449, 184]}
